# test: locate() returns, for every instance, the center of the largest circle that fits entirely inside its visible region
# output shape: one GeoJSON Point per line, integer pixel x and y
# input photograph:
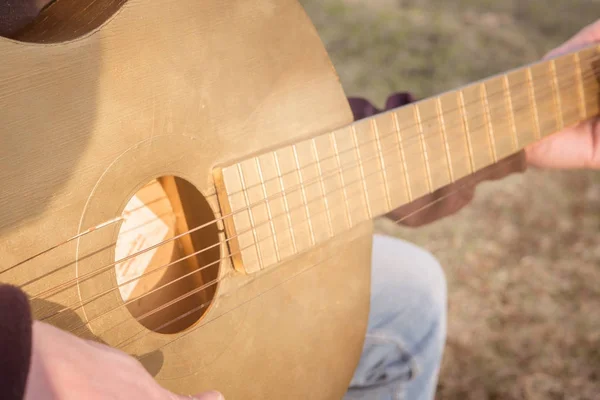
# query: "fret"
{"type": "Point", "coordinates": [342, 180]}
{"type": "Point", "coordinates": [477, 122]}
{"type": "Point", "coordinates": [283, 202]}
{"type": "Point", "coordinates": [589, 61]}
{"type": "Point", "coordinates": [556, 94]}
{"type": "Point", "coordinates": [499, 117]}
{"type": "Point", "coordinates": [437, 162]}
{"type": "Point", "coordinates": [580, 90]}
{"type": "Point", "coordinates": [568, 89]}
{"type": "Point", "coordinates": [388, 196]}
{"type": "Point", "coordinates": [286, 207]}
{"type": "Point", "coordinates": [523, 117]}
{"type": "Point", "coordinates": [372, 167]}
{"type": "Point", "coordinates": [253, 225]}
{"type": "Point", "coordinates": [304, 197]}
{"type": "Point", "coordinates": [542, 89]}
{"type": "Point", "coordinates": [257, 198]}
{"type": "Point", "coordinates": [271, 220]}
{"type": "Point", "coordinates": [409, 134]}
{"type": "Point", "coordinates": [242, 246]}
{"type": "Point", "coordinates": [510, 111]}
{"type": "Point", "coordinates": [295, 195]}
{"type": "Point", "coordinates": [455, 139]}
{"type": "Point", "coordinates": [398, 135]}
{"type": "Point", "coordinates": [312, 184]}
{"type": "Point", "coordinates": [417, 117]}
{"type": "Point", "coordinates": [532, 100]}
{"type": "Point", "coordinates": [361, 170]}
{"type": "Point", "coordinates": [332, 183]}
{"type": "Point", "coordinates": [253, 205]}
{"type": "Point", "coordinates": [440, 116]}
{"type": "Point", "coordinates": [353, 174]}
{"type": "Point", "coordinates": [390, 161]}
{"type": "Point", "coordinates": [322, 183]}
{"type": "Point", "coordinates": [275, 207]}
{"type": "Point", "coordinates": [488, 122]}
{"type": "Point", "coordinates": [467, 133]}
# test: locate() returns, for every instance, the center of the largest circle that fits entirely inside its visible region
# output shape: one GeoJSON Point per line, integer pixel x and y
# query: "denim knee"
{"type": "Point", "coordinates": [409, 298]}
{"type": "Point", "coordinates": [407, 324]}
{"type": "Point", "coordinates": [406, 280]}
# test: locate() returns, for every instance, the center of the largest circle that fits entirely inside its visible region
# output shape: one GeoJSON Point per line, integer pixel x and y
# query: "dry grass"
{"type": "Point", "coordinates": [523, 260]}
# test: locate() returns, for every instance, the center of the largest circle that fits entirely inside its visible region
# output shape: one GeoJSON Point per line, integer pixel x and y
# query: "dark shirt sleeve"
{"type": "Point", "coordinates": [448, 199]}
{"type": "Point", "coordinates": [15, 342]}
{"type": "Point", "coordinates": [15, 15]}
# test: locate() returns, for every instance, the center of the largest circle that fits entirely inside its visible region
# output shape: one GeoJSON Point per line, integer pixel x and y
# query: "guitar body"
{"type": "Point", "coordinates": [99, 98]}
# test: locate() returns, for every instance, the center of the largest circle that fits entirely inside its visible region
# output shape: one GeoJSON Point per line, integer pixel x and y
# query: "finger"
{"type": "Point", "coordinates": [574, 148]}
{"type": "Point", "coordinates": [212, 395]}
{"type": "Point", "coordinates": [585, 37]}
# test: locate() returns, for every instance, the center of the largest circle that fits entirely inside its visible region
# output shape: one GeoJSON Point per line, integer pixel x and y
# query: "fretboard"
{"type": "Point", "coordinates": [285, 201]}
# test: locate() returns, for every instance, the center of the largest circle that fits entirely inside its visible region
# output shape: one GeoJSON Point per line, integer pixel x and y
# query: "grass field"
{"type": "Point", "coordinates": [523, 260]}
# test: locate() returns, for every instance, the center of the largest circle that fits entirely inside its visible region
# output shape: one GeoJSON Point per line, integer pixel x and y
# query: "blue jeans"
{"type": "Point", "coordinates": [407, 325]}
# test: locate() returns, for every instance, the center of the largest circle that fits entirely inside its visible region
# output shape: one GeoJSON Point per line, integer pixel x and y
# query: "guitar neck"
{"type": "Point", "coordinates": [285, 201]}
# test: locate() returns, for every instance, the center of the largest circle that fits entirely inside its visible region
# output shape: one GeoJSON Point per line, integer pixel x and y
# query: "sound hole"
{"type": "Point", "coordinates": [168, 288]}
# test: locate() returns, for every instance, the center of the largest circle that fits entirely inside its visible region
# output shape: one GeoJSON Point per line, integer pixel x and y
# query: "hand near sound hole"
{"type": "Point", "coordinates": [65, 367]}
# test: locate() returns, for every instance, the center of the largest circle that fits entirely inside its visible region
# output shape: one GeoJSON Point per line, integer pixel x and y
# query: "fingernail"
{"type": "Point", "coordinates": [212, 395]}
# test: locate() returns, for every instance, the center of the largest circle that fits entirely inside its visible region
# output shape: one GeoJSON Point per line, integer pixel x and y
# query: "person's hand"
{"type": "Point", "coordinates": [578, 146]}
{"type": "Point", "coordinates": [65, 367]}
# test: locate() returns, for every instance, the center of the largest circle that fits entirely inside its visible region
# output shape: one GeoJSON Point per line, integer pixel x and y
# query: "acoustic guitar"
{"type": "Point", "coordinates": [183, 180]}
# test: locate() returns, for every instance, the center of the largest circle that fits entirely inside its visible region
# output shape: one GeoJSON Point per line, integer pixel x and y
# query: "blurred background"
{"type": "Point", "coordinates": [522, 260]}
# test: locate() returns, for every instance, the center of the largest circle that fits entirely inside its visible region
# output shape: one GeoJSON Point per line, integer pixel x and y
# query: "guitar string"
{"type": "Point", "coordinates": [416, 137]}
{"type": "Point", "coordinates": [123, 344]}
{"type": "Point", "coordinates": [80, 279]}
{"type": "Point", "coordinates": [578, 77]}
{"type": "Point", "coordinates": [435, 118]}
{"type": "Point", "coordinates": [131, 340]}
{"type": "Point", "coordinates": [334, 172]}
{"type": "Point", "coordinates": [176, 300]}
{"type": "Point", "coordinates": [81, 234]}
{"type": "Point", "coordinates": [160, 268]}
{"type": "Point", "coordinates": [214, 282]}
{"type": "Point", "coordinates": [218, 280]}
{"type": "Point", "coordinates": [84, 278]}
